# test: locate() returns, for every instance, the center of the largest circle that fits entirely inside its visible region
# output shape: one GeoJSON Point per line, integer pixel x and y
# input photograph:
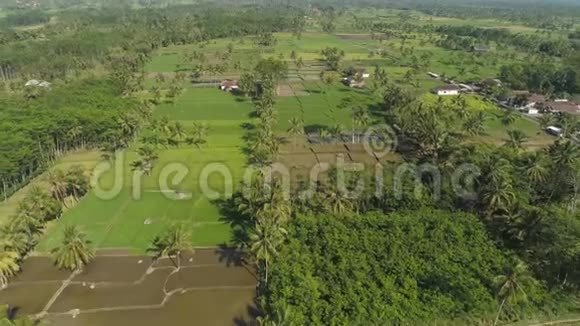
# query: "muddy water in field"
{"type": "Point", "coordinates": [213, 287]}
{"type": "Point", "coordinates": [115, 269]}
{"type": "Point", "coordinates": [201, 307]}
{"type": "Point", "coordinates": [37, 269]}
{"type": "Point", "coordinates": [96, 296]}
{"type": "Point", "coordinates": [28, 298]}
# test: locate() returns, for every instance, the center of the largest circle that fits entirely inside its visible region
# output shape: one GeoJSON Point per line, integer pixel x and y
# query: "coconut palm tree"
{"type": "Point", "coordinates": [546, 120]}
{"type": "Point", "coordinates": [511, 285]}
{"type": "Point", "coordinates": [335, 202]}
{"type": "Point", "coordinates": [360, 119]}
{"type": "Point", "coordinates": [77, 182]}
{"type": "Point", "coordinates": [323, 134]}
{"type": "Point", "coordinates": [148, 157]}
{"type": "Point", "coordinates": [13, 238]}
{"type": "Point", "coordinates": [58, 185]}
{"type": "Point", "coordinates": [74, 252]}
{"type": "Point", "coordinates": [128, 124]}
{"type": "Point", "coordinates": [267, 236]}
{"type": "Point", "coordinates": [8, 266]}
{"type": "Point", "coordinates": [296, 129]}
{"type": "Point", "coordinates": [535, 167]}
{"type": "Point", "coordinates": [474, 125]}
{"type": "Point", "coordinates": [171, 244]}
{"type": "Point", "coordinates": [199, 133]}
{"type": "Point", "coordinates": [336, 132]}
{"type": "Point", "coordinates": [509, 117]}
{"type": "Point", "coordinates": [564, 153]}
{"type": "Point", "coordinates": [26, 221]}
{"type": "Point", "coordinates": [516, 139]}
{"type": "Point", "coordinates": [178, 132]}
{"type": "Point", "coordinates": [281, 317]}
{"type": "Point", "coordinates": [499, 195]}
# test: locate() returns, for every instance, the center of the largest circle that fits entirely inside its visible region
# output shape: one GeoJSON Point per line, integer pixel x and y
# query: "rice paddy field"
{"type": "Point", "coordinates": [143, 208]}
{"type": "Point", "coordinates": [124, 211]}
{"type": "Point", "coordinates": [139, 210]}
{"type": "Point", "coordinates": [211, 287]}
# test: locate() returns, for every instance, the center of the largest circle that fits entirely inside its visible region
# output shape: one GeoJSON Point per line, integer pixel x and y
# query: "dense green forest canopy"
{"type": "Point", "coordinates": [421, 254]}
{"type": "Point", "coordinates": [417, 266]}
{"type": "Point", "coordinates": [82, 41]}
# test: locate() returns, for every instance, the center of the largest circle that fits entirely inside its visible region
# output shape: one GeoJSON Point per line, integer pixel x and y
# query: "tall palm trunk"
{"type": "Point", "coordinates": [266, 281]}
{"type": "Point", "coordinates": [499, 312]}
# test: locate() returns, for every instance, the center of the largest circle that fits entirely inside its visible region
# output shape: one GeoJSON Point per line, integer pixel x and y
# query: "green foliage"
{"type": "Point", "coordinates": [33, 133]}
{"type": "Point", "coordinates": [541, 78]}
{"type": "Point", "coordinates": [74, 252]}
{"type": "Point", "coordinates": [29, 17]}
{"type": "Point", "coordinates": [415, 266]}
{"type": "Point", "coordinates": [332, 57]}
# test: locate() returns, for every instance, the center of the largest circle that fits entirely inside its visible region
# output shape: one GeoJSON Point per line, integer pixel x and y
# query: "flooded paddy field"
{"type": "Point", "coordinates": [211, 287]}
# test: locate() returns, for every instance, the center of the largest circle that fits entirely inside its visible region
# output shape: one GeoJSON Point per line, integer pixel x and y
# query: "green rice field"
{"type": "Point", "coordinates": [139, 212]}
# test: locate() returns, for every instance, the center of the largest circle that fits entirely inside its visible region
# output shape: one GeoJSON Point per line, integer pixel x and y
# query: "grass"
{"type": "Point", "coordinates": [495, 130]}
{"type": "Point", "coordinates": [129, 221]}
{"type": "Point", "coordinates": [121, 221]}
{"type": "Point", "coordinates": [87, 159]}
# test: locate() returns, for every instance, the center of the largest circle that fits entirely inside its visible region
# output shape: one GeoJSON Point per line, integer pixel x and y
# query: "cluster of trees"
{"type": "Point", "coordinates": [407, 267]}
{"type": "Point", "coordinates": [91, 113]}
{"type": "Point", "coordinates": [454, 42]}
{"type": "Point", "coordinates": [519, 206]}
{"type": "Point", "coordinates": [85, 114]}
{"type": "Point", "coordinates": [544, 78]}
{"type": "Point", "coordinates": [20, 234]}
{"type": "Point", "coordinates": [27, 17]}
{"type": "Point", "coordinates": [527, 42]}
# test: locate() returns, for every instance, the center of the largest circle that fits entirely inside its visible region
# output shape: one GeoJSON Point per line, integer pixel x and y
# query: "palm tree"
{"type": "Point", "coordinates": [57, 181]}
{"type": "Point", "coordinates": [296, 129]}
{"type": "Point", "coordinates": [336, 132]}
{"type": "Point", "coordinates": [564, 153]}
{"type": "Point", "coordinates": [26, 220]}
{"type": "Point", "coordinates": [129, 125]}
{"type": "Point", "coordinates": [172, 243]}
{"type": "Point", "coordinates": [74, 252]}
{"type": "Point", "coordinates": [511, 285]}
{"type": "Point", "coordinates": [77, 182]}
{"type": "Point", "coordinates": [474, 125]}
{"type": "Point", "coordinates": [516, 139]}
{"type": "Point", "coordinates": [13, 238]}
{"type": "Point", "coordinates": [178, 132]}
{"type": "Point", "coordinates": [148, 157]}
{"type": "Point", "coordinates": [8, 266]}
{"type": "Point", "coordinates": [360, 119]}
{"type": "Point", "coordinates": [323, 134]}
{"type": "Point", "coordinates": [199, 133]}
{"type": "Point", "coordinates": [267, 236]}
{"type": "Point", "coordinates": [281, 317]}
{"type": "Point", "coordinates": [535, 166]}
{"type": "Point", "coordinates": [546, 120]}
{"type": "Point", "coordinates": [509, 117]}
{"type": "Point", "coordinates": [499, 195]}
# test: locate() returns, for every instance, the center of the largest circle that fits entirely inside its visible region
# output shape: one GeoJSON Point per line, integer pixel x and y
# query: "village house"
{"type": "Point", "coordinates": [563, 107]}
{"type": "Point", "coordinates": [447, 90]}
{"type": "Point", "coordinates": [229, 85]}
{"type": "Point", "coordinates": [354, 82]}
{"type": "Point", "coordinates": [527, 102]}
{"type": "Point", "coordinates": [363, 73]}
{"type": "Point", "coordinates": [356, 73]}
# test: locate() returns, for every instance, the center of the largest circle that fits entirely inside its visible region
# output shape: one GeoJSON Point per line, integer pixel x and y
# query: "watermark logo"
{"type": "Point", "coordinates": [215, 180]}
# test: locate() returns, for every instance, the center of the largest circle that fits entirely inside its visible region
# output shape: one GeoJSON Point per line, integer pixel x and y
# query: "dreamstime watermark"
{"type": "Point", "coordinates": [217, 180]}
